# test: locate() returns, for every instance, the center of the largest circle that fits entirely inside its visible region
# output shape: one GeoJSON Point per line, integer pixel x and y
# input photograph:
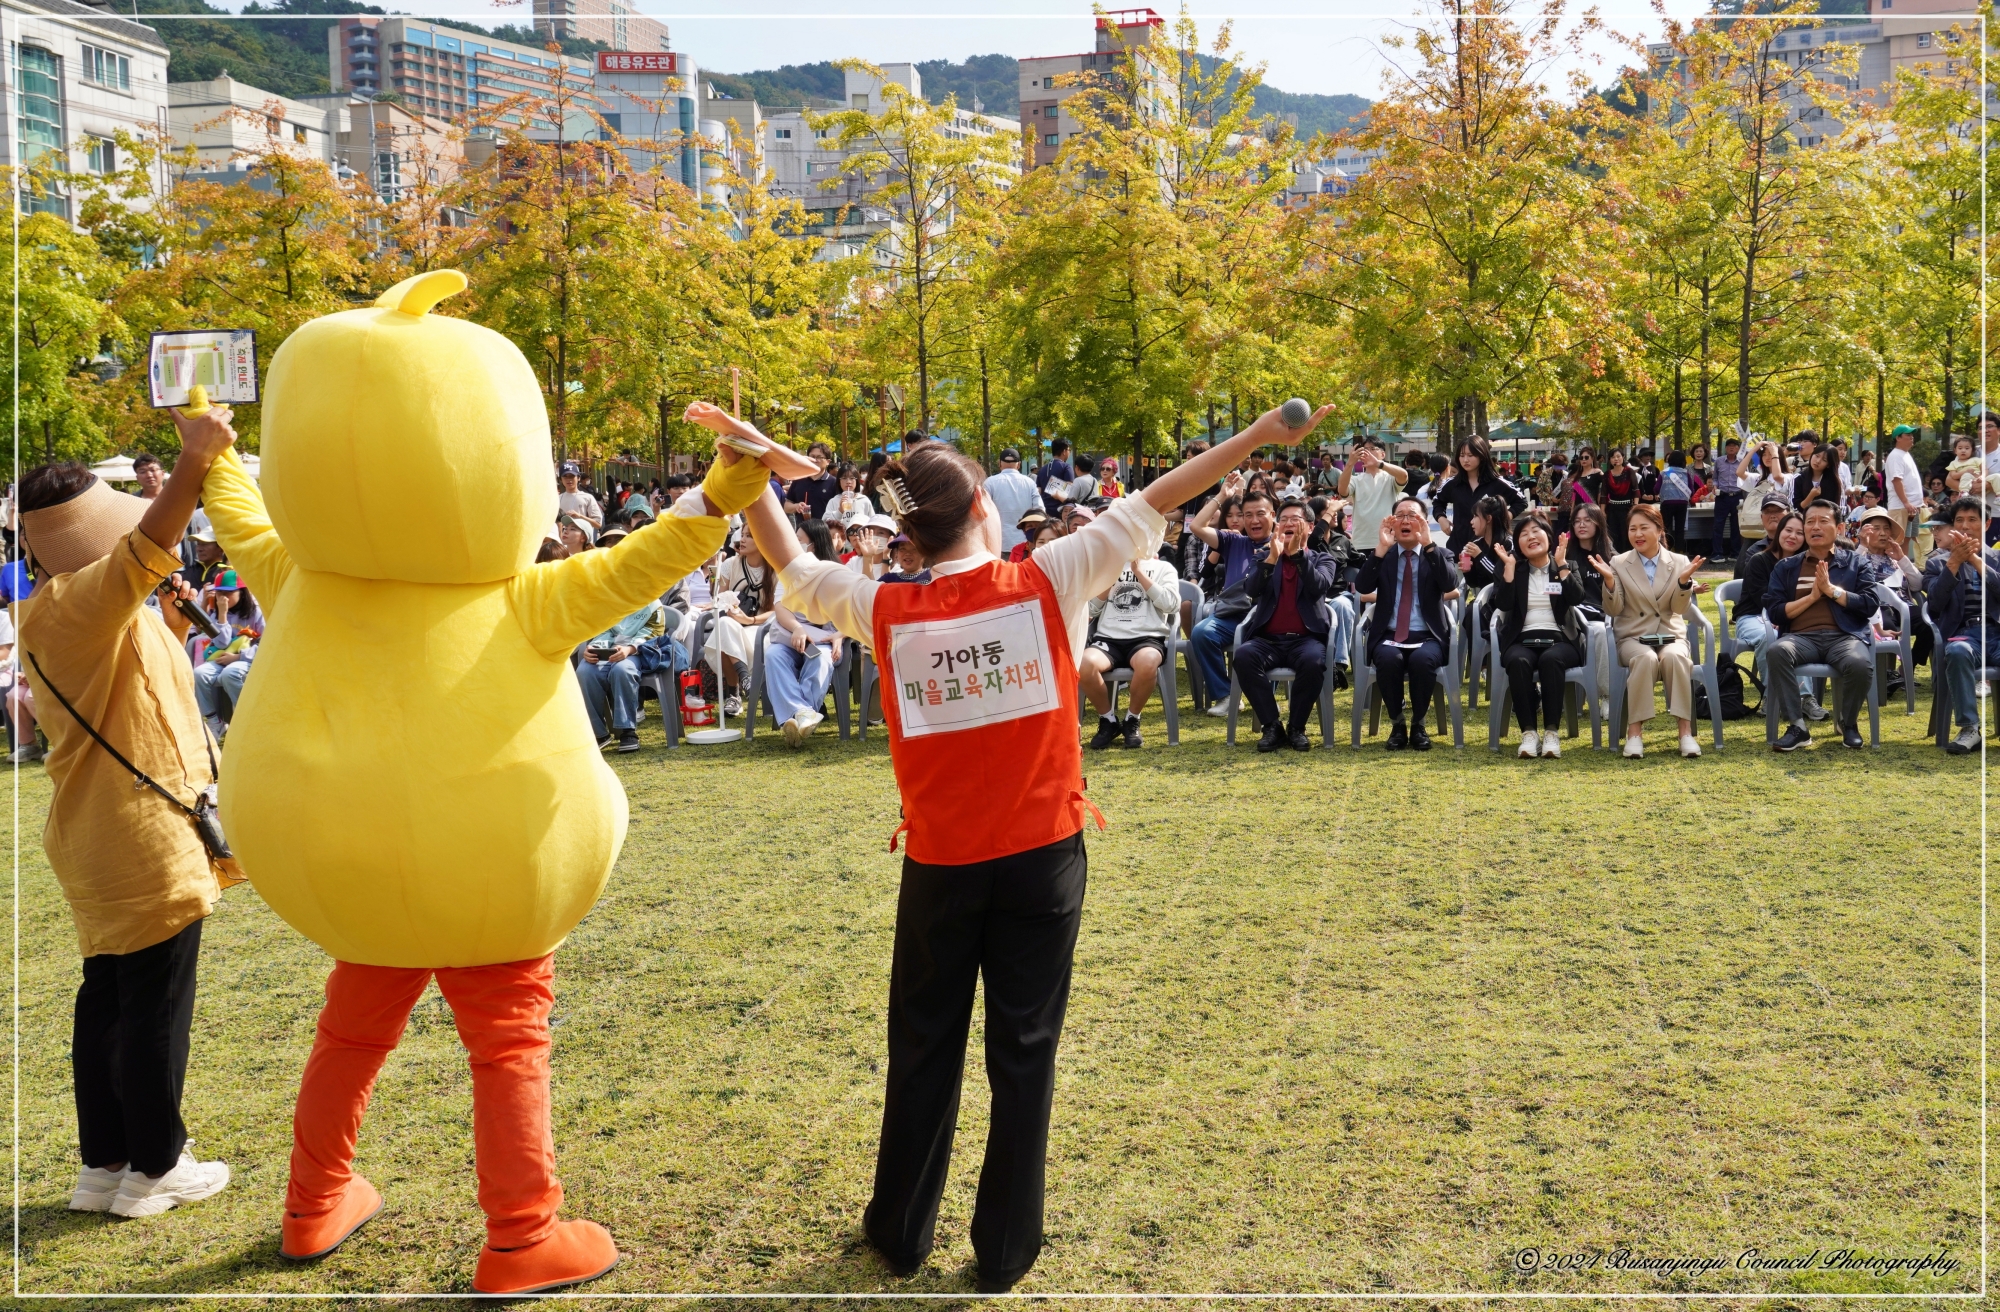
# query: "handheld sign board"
{"type": "Point", "coordinates": [222, 363]}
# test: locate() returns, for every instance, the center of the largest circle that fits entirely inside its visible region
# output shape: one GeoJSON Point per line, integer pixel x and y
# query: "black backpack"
{"type": "Point", "coordinates": [1730, 679]}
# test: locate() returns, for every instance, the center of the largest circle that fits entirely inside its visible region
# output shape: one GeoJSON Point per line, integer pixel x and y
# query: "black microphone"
{"type": "Point", "coordinates": [195, 614]}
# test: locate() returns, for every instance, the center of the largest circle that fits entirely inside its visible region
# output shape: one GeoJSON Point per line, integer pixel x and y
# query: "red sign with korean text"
{"type": "Point", "coordinates": [637, 61]}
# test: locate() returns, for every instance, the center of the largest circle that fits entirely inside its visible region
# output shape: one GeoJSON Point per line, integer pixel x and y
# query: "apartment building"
{"type": "Point", "coordinates": [225, 120]}
{"type": "Point", "coordinates": [1049, 80]}
{"type": "Point", "coordinates": [608, 22]}
{"type": "Point", "coordinates": [1897, 35]}
{"type": "Point", "coordinates": [76, 76]}
{"type": "Point", "coordinates": [653, 95]}
{"type": "Point", "coordinates": [438, 71]}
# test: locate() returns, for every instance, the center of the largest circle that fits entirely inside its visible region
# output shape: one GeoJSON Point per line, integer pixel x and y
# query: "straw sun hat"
{"type": "Point", "coordinates": [65, 537]}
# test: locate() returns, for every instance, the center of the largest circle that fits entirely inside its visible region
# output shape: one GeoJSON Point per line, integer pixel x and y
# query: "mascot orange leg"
{"type": "Point", "coordinates": [502, 1014]}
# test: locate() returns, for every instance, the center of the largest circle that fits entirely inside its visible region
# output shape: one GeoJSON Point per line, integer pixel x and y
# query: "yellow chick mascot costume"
{"type": "Point", "coordinates": [412, 780]}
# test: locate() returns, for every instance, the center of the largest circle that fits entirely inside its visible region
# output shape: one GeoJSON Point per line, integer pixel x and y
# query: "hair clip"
{"type": "Point", "coordinates": [896, 495]}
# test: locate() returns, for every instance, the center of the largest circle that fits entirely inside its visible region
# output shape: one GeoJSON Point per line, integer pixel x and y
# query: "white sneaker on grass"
{"type": "Point", "coordinates": [1634, 748]}
{"type": "Point", "coordinates": [189, 1182]}
{"type": "Point", "coordinates": [1552, 745]}
{"type": "Point", "coordinates": [1531, 744]}
{"type": "Point", "coordinates": [1219, 710]}
{"type": "Point", "coordinates": [1690, 745]}
{"type": "Point", "coordinates": [95, 1188]}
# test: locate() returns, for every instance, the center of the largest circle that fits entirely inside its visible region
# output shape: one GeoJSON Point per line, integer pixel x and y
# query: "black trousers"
{"type": "Point", "coordinates": [1418, 665]}
{"type": "Point", "coordinates": [1015, 921]}
{"type": "Point", "coordinates": [1675, 513]}
{"type": "Point", "coordinates": [129, 1053]}
{"type": "Point", "coordinates": [1301, 653]}
{"type": "Point", "coordinates": [1531, 672]}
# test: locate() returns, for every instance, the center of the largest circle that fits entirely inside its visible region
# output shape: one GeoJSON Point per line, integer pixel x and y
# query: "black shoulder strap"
{"type": "Point", "coordinates": [138, 774]}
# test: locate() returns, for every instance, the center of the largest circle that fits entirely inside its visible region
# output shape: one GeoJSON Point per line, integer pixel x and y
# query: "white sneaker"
{"type": "Point", "coordinates": [732, 705]}
{"type": "Point", "coordinates": [189, 1182]}
{"type": "Point", "coordinates": [1220, 710]}
{"type": "Point", "coordinates": [26, 755]}
{"type": "Point", "coordinates": [1634, 748]}
{"type": "Point", "coordinates": [800, 727]}
{"type": "Point", "coordinates": [1690, 745]}
{"type": "Point", "coordinates": [95, 1188]}
{"type": "Point", "coordinates": [1551, 744]}
{"type": "Point", "coordinates": [1531, 744]}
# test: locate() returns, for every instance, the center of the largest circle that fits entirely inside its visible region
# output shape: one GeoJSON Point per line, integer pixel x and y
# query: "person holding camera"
{"type": "Point", "coordinates": [131, 833]}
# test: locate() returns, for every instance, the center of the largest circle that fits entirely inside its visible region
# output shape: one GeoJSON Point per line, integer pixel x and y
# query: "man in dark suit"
{"type": "Point", "coordinates": [1288, 586]}
{"type": "Point", "coordinates": [1822, 602]}
{"type": "Point", "coordinates": [1409, 634]}
{"type": "Point", "coordinates": [1962, 593]}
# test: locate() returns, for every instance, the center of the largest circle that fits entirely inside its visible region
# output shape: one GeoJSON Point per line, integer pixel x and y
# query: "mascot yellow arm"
{"type": "Point", "coordinates": [564, 602]}
{"type": "Point", "coordinates": [243, 528]}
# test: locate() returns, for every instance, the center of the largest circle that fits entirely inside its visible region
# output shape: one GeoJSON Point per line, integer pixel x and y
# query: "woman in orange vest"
{"type": "Point", "coordinates": [979, 687]}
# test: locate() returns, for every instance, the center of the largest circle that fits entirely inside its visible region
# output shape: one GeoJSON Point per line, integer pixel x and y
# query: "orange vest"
{"type": "Point", "coordinates": [980, 697]}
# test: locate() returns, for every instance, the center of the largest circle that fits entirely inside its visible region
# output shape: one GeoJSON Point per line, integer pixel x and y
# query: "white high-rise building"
{"type": "Point", "coordinates": [76, 76]}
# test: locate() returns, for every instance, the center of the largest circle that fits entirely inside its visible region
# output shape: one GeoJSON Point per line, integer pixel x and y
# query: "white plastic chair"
{"type": "Point", "coordinates": [1367, 695]}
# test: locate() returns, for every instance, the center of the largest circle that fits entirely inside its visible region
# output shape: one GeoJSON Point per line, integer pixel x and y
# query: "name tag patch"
{"type": "Point", "coordinates": [960, 673]}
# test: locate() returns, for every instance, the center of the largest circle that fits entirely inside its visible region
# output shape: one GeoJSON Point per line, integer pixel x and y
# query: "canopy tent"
{"type": "Point", "coordinates": [118, 469]}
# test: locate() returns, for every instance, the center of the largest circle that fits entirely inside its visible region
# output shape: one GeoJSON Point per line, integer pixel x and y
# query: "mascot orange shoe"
{"type": "Point", "coordinates": [411, 779]}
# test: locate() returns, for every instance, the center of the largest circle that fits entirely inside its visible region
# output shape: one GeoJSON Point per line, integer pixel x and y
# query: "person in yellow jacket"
{"type": "Point", "coordinates": [412, 781]}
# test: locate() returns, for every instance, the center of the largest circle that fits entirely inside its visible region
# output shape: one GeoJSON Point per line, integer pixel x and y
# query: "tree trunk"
{"type": "Point", "coordinates": [1680, 429]}
{"type": "Point", "coordinates": [985, 415]}
{"type": "Point", "coordinates": [1232, 415]}
{"type": "Point", "coordinates": [1950, 401]}
{"type": "Point", "coordinates": [1743, 341]}
{"type": "Point", "coordinates": [1881, 399]}
{"type": "Point", "coordinates": [663, 438]}
{"type": "Point", "coordinates": [1210, 433]}
{"type": "Point", "coordinates": [1138, 450]}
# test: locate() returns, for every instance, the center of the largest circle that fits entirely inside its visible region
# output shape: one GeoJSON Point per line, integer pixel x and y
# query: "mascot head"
{"type": "Point", "coordinates": [402, 445]}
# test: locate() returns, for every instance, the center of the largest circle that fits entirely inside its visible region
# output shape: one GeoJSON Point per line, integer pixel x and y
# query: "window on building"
{"type": "Point", "coordinates": [785, 133]}
{"type": "Point", "coordinates": [101, 155]}
{"type": "Point", "coordinates": [1050, 111]}
{"type": "Point", "coordinates": [1051, 139]}
{"type": "Point", "coordinates": [299, 133]}
{"type": "Point", "coordinates": [107, 68]}
{"type": "Point", "coordinates": [38, 119]}
{"type": "Point", "coordinates": [1923, 40]}
{"type": "Point", "coordinates": [860, 101]}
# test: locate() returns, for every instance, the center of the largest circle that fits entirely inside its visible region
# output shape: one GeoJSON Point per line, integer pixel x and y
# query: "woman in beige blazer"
{"type": "Point", "coordinates": [1642, 604]}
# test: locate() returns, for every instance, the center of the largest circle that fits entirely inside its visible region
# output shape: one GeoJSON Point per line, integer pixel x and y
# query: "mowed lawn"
{"type": "Point", "coordinates": [1348, 1021]}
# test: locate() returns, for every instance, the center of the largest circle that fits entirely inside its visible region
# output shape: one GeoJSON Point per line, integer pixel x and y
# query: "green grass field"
{"type": "Point", "coordinates": [1342, 1022]}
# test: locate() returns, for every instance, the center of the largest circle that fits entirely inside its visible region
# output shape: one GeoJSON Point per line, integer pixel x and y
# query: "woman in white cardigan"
{"type": "Point", "coordinates": [1646, 595]}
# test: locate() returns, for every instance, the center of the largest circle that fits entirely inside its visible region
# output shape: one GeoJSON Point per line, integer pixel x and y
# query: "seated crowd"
{"type": "Point", "coordinates": [1265, 578]}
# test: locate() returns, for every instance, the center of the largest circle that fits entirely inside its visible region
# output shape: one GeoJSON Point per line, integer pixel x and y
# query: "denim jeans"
{"type": "Point", "coordinates": [796, 681]}
{"type": "Point", "coordinates": [217, 689]}
{"type": "Point", "coordinates": [1755, 632]}
{"type": "Point", "coordinates": [1212, 636]}
{"type": "Point", "coordinates": [610, 689]}
{"type": "Point", "coordinates": [1340, 642]}
{"type": "Point", "coordinates": [1961, 672]}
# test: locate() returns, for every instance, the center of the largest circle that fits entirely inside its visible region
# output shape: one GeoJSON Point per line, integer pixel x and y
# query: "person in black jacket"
{"type": "Point", "coordinates": [1534, 596]}
{"type": "Point", "coordinates": [1475, 480]}
{"type": "Point", "coordinates": [1288, 585]}
{"type": "Point", "coordinates": [1409, 633]}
